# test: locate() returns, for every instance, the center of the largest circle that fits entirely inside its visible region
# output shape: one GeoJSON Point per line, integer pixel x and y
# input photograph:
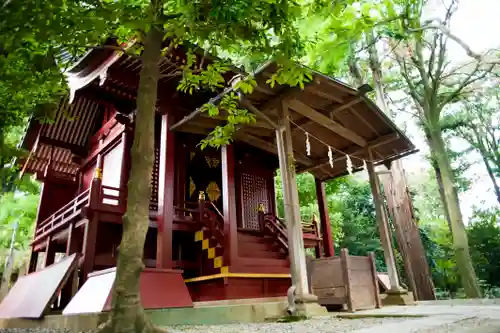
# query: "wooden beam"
{"type": "Point", "coordinates": [221, 117]}
{"type": "Point", "coordinates": [346, 104]}
{"type": "Point", "coordinates": [268, 146]}
{"type": "Point", "coordinates": [326, 122]}
{"type": "Point", "coordinates": [354, 150]}
{"type": "Point", "coordinates": [313, 90]}
{"type": "Point", "coordinates": [247, 104]}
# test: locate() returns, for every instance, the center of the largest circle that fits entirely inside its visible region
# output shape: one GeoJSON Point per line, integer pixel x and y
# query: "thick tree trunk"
{"type": "Point", "coordinates": [460, 242]}
{"type": "Point", "coordinates": [127, 314]}
{"type": "Point", "coordinates": [439, 180]}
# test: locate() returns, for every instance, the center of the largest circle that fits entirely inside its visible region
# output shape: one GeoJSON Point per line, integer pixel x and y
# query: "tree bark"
{"type": "Point", "coordinates": [127, 314]}
{"type": "Point", "coordinates": [460, 242]}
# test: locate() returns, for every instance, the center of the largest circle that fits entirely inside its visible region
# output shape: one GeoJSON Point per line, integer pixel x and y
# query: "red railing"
{"type": "Point", "coordinates": [112, 199]}
{"type": "Point", "coordinates": [62, 216]}
{"type": "Point", "coordinates": [106, 199]}
{"type": "Point", "coordinates": [273, 226]}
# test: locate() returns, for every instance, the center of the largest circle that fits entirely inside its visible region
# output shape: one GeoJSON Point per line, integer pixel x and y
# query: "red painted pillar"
{"type": "Point", "coordinates": [326, 228]}
{"type": "Point", "coordinates": [229, 205]}
{"type": "Point", "coordinates": [166, 188]}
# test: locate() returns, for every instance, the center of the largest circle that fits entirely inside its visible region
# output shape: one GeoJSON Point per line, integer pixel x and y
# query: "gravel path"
{"type": "Point", "coordinates": [316, 325]}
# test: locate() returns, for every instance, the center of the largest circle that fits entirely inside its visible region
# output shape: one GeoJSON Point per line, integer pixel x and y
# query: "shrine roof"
{"type": "Point", "coordinates": [329, 111]}
{"type": "Point", "coordinates": [332, 113]}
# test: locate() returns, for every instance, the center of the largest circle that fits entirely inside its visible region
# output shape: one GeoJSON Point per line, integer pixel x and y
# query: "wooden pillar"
{"type": "Point", "coordinates": [90, 234]}
{"type": "Point", "coordinates": [33, 261]}
{"type": "Point", "coordinates": [291, 202]}
{"type": "Point", "coordinates": [165, 195]}
{"type": "Point", "coordinates": [88, 248]}
{"type": "Point", "coordinates": [326, 228]}
{"type": "Point", "coordinates": [229, 205]}
{"type": "Point", "coordinates": [383, 225]}
{"type": "Point", "coordinates": [50, 253]}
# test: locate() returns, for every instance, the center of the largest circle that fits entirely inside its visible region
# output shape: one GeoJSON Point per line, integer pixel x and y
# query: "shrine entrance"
{"type": "Point", "coordinates": [204, 174]}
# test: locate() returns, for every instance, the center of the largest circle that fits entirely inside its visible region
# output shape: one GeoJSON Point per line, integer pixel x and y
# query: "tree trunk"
{"type": "Point", "coordinates": [496, 188]}
{"type": "Point", "coordinates": [493, 178]}
{"type": "Point", "coordinates": [127, 314]}
{"type": "Point", "coordinates": [439, 180]}
{"type": "Point", "coordinates": [460, 242]}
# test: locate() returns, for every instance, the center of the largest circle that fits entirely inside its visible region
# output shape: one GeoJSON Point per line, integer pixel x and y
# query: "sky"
{"type": "Point", "coordinates": [477, 23]}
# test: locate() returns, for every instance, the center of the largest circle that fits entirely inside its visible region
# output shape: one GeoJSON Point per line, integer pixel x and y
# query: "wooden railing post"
{"type": "Point", "coordinates": [262, 212]}
{"type": "Point", "coordinates": [317, 247]}
{"type": "Point", "coordinates": [201, 205]}
{"type": "Point", "coordinates": [96, 186]}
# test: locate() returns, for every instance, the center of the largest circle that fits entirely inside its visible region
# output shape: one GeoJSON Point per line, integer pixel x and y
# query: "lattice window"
{"type": "Point", "coordinates": [254, 190]}
{"type": "Point", "coordinates": [153, 201]}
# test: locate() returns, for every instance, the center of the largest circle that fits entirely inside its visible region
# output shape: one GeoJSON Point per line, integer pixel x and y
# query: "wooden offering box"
{"type": "Point", "coordinates": [345, 280]}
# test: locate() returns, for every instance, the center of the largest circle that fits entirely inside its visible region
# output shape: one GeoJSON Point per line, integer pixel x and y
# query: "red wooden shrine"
{"type": "Point", "coordinates": [213, 214]}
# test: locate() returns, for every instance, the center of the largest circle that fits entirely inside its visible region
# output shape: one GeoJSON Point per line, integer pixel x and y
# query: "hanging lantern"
{"type": "Point", "coordinates": [349, 164]}
{"type": "Point", "coordinates": [330, 156]}
{"type": "Point", "coordinates": [308, 145]}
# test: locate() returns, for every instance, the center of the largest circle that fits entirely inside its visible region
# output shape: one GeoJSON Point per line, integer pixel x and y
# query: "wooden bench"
{"type": "Point", "coordinates": [345, 280]}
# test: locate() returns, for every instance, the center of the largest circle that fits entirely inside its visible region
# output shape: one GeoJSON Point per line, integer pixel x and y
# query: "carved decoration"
{"type": "Point", "coordinates": [213, 191]}
{"type": "Point", "coordinates": [192, 187]}
{"type": "Point", "coordinates": [212, 162]}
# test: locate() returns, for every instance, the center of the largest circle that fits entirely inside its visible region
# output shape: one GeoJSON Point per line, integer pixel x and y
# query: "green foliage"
{"type": "Point", "coordinates": [17, 208]}
{"type": "Point", "coordinates": [484, 241]}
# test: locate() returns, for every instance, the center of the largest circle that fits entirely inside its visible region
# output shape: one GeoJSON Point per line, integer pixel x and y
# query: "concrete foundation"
{"type": "Point", "coordinates": [405, 298]}
{"type": "Point", "coordinates": [202, 314]}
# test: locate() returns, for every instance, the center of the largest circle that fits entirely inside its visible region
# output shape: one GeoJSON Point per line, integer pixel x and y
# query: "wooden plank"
{"type": "Point", "coordinates": [326, 122]}
{"type": "Point", "coordinates": [32, 294]}
{"type": "Point", "coordinates": [344, 254]}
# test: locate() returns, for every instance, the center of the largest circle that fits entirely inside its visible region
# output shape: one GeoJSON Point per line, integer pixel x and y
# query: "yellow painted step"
{"type": "Point", "coordinates": [211, 253]}
{"type": "Point", "coordinates": [205, 244]}
{"type": "Point", "coordinates": [224, 270]}
{"type": "Point", "coordinates": [198, 236]}
{"type": "Point", "coordinates": [218, 262]}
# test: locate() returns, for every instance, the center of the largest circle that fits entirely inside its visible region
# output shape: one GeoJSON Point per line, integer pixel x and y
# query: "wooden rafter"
{"type": "Point", "coordinates": [243, 136]}
{"type": "Point", "coordinates": [247, 104]}
{"type": "Point", "coordinates": [347, 104]}
{"type": "Point", "coordinates": [326, 122]}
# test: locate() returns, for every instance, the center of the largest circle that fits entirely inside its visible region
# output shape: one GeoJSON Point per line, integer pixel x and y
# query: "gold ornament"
{"type": "Point", "coordinates": [192, 187]}
{"type": "Point", "coordinates": [98, 173]}
{"type": "Point", "coordinates": [212, 162]}
{"type": "Point", "coordinates": [191, 155]}
{"type": "Point", "coordinates": [213, 191]}
{"type": "Point", "coordinates": [201, 195]}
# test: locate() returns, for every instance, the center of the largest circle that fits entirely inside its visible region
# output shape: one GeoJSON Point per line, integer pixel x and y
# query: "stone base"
{"type": "Point", "coordinates": [393, 298]}
{"type": "Point", "coordinates": [311, 310]}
